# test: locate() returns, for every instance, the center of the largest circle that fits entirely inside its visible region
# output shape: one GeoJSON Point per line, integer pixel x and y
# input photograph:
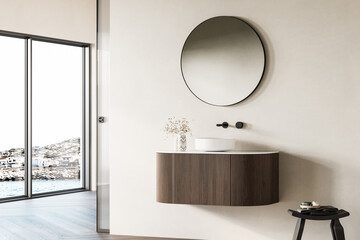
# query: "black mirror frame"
{"type": "Point", "coordinates": [263, 72]}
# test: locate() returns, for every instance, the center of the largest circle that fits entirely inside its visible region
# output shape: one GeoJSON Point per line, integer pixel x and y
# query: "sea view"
{"type": "Point", "coordinates": [54, 167]}
{"type": "Point", "coordinates": [16, 188]}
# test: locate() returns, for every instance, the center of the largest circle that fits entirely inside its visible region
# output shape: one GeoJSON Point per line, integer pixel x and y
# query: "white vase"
{"type": "Point", "coordinates": [180, 143]}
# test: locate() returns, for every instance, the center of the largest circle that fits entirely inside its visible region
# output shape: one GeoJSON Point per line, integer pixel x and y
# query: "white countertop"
{"type": "Point", "coordinates": [229, 152]}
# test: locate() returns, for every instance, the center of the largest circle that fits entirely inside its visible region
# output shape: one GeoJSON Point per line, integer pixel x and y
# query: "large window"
{"type": "Point", "coordinates": [12, 117]}
{"type": "Point", "coordinates": [43, 120]}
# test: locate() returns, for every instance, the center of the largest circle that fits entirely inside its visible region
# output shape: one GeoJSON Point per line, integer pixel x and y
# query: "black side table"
{"type": "Point", "coordinates": [337, 230]}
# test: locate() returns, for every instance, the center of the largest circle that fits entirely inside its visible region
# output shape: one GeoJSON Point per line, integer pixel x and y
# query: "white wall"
{"type": "Point", "coordinates": [307, 107]}
{"type": "Point", "coordinates": [62, 19]}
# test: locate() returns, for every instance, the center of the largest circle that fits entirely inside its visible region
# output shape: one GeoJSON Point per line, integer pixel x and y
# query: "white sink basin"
{"type": "Point", "coordinates": [214, 144]}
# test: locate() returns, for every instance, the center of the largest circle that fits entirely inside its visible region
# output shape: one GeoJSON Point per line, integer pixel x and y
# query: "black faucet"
{"type": "Point", "coordinates": [226, 125]}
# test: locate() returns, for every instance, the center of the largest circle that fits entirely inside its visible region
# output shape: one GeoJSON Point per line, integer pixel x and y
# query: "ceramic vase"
{"type": "Point", "coordinates": [180, 143]}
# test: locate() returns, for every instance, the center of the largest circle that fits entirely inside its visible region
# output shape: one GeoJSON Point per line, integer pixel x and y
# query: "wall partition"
{"type": "Point", "coordinates": [43, 128]}
{"type": "Point", "coordinates": [103, 67]}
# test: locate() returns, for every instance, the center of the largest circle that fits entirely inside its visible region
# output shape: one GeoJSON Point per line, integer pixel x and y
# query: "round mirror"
{"type": "Point", "coordinates": [223, 61]}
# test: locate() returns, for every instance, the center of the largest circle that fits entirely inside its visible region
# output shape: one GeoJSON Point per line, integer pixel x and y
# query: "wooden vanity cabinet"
{"type": "Point", "coordinates": [201, 179]}
{"type": "Point", "coordinates": [254, 179]}
{"type": "Point", "coordinates": [217, 179]}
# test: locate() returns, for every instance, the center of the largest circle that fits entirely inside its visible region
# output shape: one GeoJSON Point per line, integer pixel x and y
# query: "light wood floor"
{"type": "Point", "coordinates": [66, 217]}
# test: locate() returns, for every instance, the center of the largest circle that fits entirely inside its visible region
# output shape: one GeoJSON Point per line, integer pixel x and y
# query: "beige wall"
{"type": "Point", "coordinates": [307, 107]}
{"type": "Point", "coordinates": [64, 19]}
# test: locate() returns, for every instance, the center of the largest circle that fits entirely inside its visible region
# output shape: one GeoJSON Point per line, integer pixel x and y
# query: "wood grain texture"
{"type": "Point", "coordinates": [218, 179]}
{"type": "Point", "coordinates": [201, 179]}
{"type": "Point", "coordinates": [69, 216]}
{"type": "Point", "coordinates": [164, 178]}
{"type": "Point", "coordinates": [215, 180]}
{"type": "Point", "coordinates": [254, 179]}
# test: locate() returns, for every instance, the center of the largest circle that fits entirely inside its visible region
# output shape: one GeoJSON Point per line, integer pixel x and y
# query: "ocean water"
{"type": "Point", "coordinates": [17, 188]}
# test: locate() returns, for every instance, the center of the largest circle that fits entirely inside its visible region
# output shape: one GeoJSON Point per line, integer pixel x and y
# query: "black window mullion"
{"type": "Point", "coordinates": [28, 120]}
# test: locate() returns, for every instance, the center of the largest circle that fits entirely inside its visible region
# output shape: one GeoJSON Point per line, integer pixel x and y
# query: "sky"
{"type": "Point", "coordinates": [57, 93]}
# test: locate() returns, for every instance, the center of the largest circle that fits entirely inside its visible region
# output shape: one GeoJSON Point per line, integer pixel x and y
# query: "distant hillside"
{"type": "Point", "coordinates": [68, 147]}
{"type": "Point", "coordinates": [55, 161]}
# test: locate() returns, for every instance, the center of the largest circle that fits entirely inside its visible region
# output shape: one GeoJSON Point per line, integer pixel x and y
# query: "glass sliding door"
{"type": "Point", "coordinates": [103, 181]}
{"type": "Point", "coordinates": [57, 117]}
{"type": "Point", "coordinates": [12, 118]}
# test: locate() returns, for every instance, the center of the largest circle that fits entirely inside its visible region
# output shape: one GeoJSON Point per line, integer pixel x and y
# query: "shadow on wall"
{"type": "Point", "coordinates": [301, 179]}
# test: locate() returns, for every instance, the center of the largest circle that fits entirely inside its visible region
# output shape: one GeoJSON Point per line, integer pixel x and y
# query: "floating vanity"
{"type": "Point", "coordinates": [218, 178]}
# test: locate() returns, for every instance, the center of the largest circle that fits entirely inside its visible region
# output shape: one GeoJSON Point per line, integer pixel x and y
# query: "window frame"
{"type": "Point", "coordinates": [86, 106]}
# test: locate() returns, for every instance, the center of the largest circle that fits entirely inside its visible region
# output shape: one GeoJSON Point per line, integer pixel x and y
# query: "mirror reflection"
{"type": "Point", "coordinates": [223, 61]}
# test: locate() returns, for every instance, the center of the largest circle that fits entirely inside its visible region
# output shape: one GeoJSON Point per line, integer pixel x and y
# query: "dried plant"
{"type": "Point", "coordinates": [177, 126]}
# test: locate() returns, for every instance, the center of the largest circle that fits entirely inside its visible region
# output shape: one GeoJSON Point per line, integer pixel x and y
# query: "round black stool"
{"type": "Point", "coordinates": [337, 230]}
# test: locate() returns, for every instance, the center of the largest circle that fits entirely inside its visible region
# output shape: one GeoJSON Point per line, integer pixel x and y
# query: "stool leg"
{"type": "Point", "coordinates": [299, 229]}
{"type": "Point", "coordinates": [337, 230]}
{"type": "Point", "coordinates": [332, 230]}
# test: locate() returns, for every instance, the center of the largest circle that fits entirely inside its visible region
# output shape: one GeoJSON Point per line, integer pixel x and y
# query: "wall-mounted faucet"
{"type": "Point", "coordinates": [226, 125]}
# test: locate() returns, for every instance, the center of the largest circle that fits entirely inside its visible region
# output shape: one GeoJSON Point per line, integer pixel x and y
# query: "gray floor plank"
{"type": "Point", "coordinates": [64, 217]}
